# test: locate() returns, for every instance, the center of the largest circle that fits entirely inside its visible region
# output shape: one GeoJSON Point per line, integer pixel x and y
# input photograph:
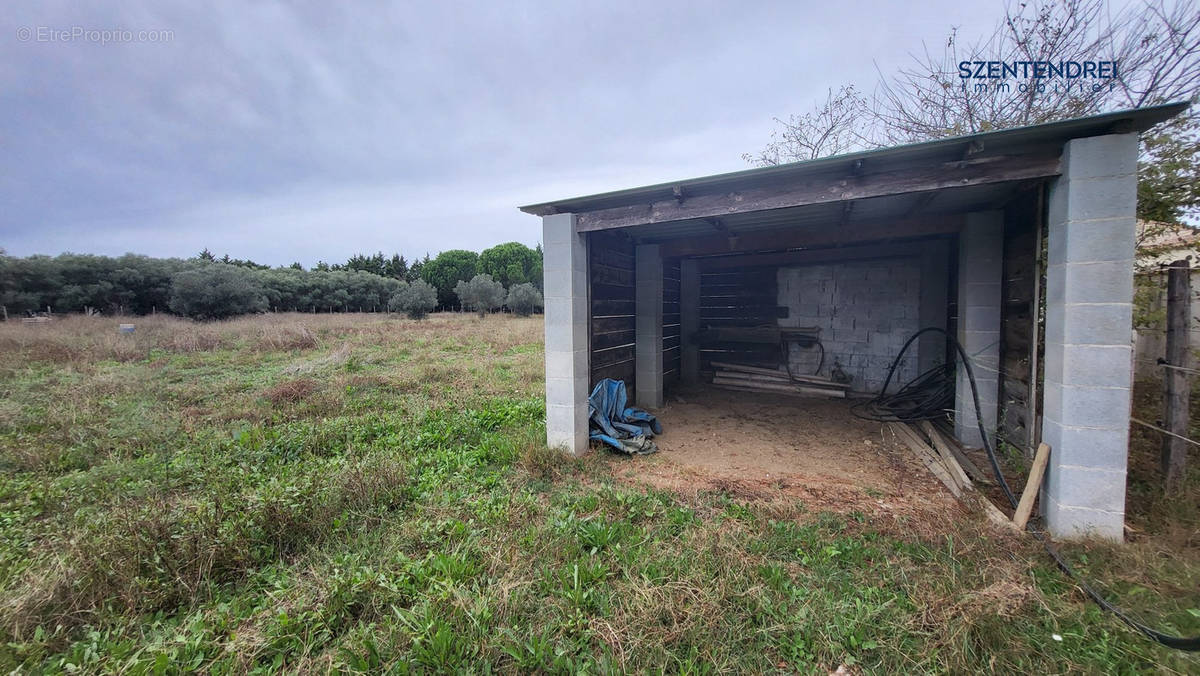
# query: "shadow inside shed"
{"type": "Point", "coordinates": [782, 342]}
{"type": "Point", "coordinates": [841, 312]}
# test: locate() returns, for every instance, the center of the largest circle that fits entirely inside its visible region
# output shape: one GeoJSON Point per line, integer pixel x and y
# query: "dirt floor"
{"type": "Point", "coordinates": [765, 446]}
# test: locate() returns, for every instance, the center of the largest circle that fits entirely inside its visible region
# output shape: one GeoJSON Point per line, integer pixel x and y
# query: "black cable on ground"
{"type": "Point", "coordinates": [1188, 643]}
{"type": "Point", "coordinates": [922, 398]}
{"type": "Point", "coordinates": [884, 407]}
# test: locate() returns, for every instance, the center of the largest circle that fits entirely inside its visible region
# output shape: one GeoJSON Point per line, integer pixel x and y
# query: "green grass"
{"type": "Point", "coordinates": [378, 498]}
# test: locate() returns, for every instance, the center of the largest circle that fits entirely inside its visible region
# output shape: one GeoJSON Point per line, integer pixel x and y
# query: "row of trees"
{"type": "Point", "coordinates": [510, 263]}
{"type": "Point", "coordinates": [218, 290]}
{"type": "Point", "coordinates": [481, 294]}
{"type": "Point", "coordinates": [210, 287]}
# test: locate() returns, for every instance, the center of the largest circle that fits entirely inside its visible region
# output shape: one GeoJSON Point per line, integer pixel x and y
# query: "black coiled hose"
{"type": "Point", "coordinates": [927, 397]}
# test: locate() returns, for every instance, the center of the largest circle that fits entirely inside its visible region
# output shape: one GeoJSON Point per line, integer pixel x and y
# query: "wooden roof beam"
{"type": "Point", "coordinates": [821, 190]}
{"type": "Point", "coordinates": [847, 208]}
{"type": "Point", "coordinates": [812, 236]}
{"type": "Point", "coordinates": [922, 203]}
{"type": "Point", "coordinates": [811, 256]}
{"type": "Point", "coordinates": [1002, 201]}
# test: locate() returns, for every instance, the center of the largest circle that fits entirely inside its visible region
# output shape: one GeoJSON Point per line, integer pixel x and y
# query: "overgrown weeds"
{"type": "Point", "coordinates": [164, 552]}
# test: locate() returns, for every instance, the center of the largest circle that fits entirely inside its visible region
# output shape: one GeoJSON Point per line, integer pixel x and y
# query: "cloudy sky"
{"type": "Point", "coordinates": [300, 131]}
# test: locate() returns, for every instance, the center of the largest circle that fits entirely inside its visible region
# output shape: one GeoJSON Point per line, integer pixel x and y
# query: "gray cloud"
{"type": "Point", "coordinates": [305, 131]}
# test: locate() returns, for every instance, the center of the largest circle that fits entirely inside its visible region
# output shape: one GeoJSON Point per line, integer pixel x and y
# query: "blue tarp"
{"type": "Point", "coordinates": [625, 428]}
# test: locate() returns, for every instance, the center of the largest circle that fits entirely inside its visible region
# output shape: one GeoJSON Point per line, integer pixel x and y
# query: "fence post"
{"type": "Point", "coordinates": [1176, 389]}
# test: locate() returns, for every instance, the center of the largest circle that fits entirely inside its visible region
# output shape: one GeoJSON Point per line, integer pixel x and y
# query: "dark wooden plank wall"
{"type": "Point", "coordinates": [612, 278]}
{"type": "Point", "coordinates": [746, 297]}
{"type": "Point", "coordinates": [672, 349]}
{"type": "Point", "coordinates": [1018, 320]}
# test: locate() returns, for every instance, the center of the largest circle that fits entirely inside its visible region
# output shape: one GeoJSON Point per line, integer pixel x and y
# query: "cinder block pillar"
{"type": "Point", "coordinates": [935, 282]}
{"type": "Point", "coordinates": [648, 339]}
{"type": "Point", "coordinates": [1088, 363]}
{"type": "Point", "coordinates": [980, 270]}
{"type": "Point", "coordinates": [689, 320]}
{"type": "Point", "coordinates": [565, 280]}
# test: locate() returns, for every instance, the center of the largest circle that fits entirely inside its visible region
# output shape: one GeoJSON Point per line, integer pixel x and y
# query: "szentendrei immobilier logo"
{"type": "Point", "coordinates": [1063, 76]}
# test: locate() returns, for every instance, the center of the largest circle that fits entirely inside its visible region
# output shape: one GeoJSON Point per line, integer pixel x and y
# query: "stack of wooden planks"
{"type": "Point", "coordinates": [759, 379]}
{"type": "Point", "coordinates": [944, 458]}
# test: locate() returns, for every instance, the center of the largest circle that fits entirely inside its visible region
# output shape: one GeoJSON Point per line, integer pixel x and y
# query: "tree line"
{"type": "Point", "coordinates": [208, 287]}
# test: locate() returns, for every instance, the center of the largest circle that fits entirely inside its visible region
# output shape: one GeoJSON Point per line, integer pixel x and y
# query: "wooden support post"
{"type": "Point", "coordinates": [1025, 506]}
{"type": "Point", "coordinates": [1033, 426]}
{"type": "Point", "coordinates": [1176, 388]}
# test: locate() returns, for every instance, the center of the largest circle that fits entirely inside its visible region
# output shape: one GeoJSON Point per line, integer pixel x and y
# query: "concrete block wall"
{"type": "Point", "coordinates": [866, 310]}
{"type": "Point", "coordinates": [565, 280]}
{"type": "Point", "coordinates": [980, 282]}
{"type": "Point", "coordinates": [1091, 231]}
{"type": "Point", "coordinates": [935, 291]}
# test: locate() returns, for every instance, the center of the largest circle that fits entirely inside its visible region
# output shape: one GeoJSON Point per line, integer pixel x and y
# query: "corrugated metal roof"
{"type": "Point", "coordinates": [1019, 139]}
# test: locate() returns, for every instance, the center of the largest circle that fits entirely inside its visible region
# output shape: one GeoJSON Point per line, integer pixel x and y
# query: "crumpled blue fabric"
{"type": "Point", "coordinates": [625, 428]}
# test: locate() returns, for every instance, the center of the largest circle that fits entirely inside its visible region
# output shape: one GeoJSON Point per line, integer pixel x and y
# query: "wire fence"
{"type": "Point", "coordinates": [1164, 364]}
{"type": "Point", "coordinates": [1169, 433]}
{"type": "Point", "coordinates": [1003, 373]}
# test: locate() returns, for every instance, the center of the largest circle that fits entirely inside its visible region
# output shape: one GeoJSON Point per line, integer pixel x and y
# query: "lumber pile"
{"type": "Point", "coordinates": [936, 452]}
{"type": "Point", "coordinates": [771, 335]}
{"type": "Point", "coordinates": [944, 457]}
{"type": "Point", "coordinates": [945, 442]}
{"type": "Point", "coordinates": [758, 379]}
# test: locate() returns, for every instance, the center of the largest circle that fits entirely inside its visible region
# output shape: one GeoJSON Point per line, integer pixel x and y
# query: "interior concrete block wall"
{"type": "Point", "coordinates": [865, 310]}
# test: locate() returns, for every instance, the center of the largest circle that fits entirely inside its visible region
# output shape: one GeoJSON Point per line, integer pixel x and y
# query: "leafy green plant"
{"type": "Point", "coordinates": [596, 534]}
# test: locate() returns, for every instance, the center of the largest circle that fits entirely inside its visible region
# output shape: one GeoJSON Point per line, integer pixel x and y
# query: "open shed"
{"type": "Point", "coordinates": [1018, 242]}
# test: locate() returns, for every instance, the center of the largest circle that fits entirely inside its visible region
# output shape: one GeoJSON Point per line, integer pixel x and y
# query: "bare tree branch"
{"type": "Point", "coordinates": [1156, 46]}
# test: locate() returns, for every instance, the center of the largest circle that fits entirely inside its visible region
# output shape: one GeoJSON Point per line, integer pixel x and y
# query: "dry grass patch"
{"type": "Point", "coordinates": [290, 391]}
{"type": "Point", "coordinates": [545, 463]}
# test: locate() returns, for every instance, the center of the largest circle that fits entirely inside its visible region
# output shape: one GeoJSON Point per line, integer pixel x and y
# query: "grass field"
{"type": "Point", "coordinates": [366, 493]}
